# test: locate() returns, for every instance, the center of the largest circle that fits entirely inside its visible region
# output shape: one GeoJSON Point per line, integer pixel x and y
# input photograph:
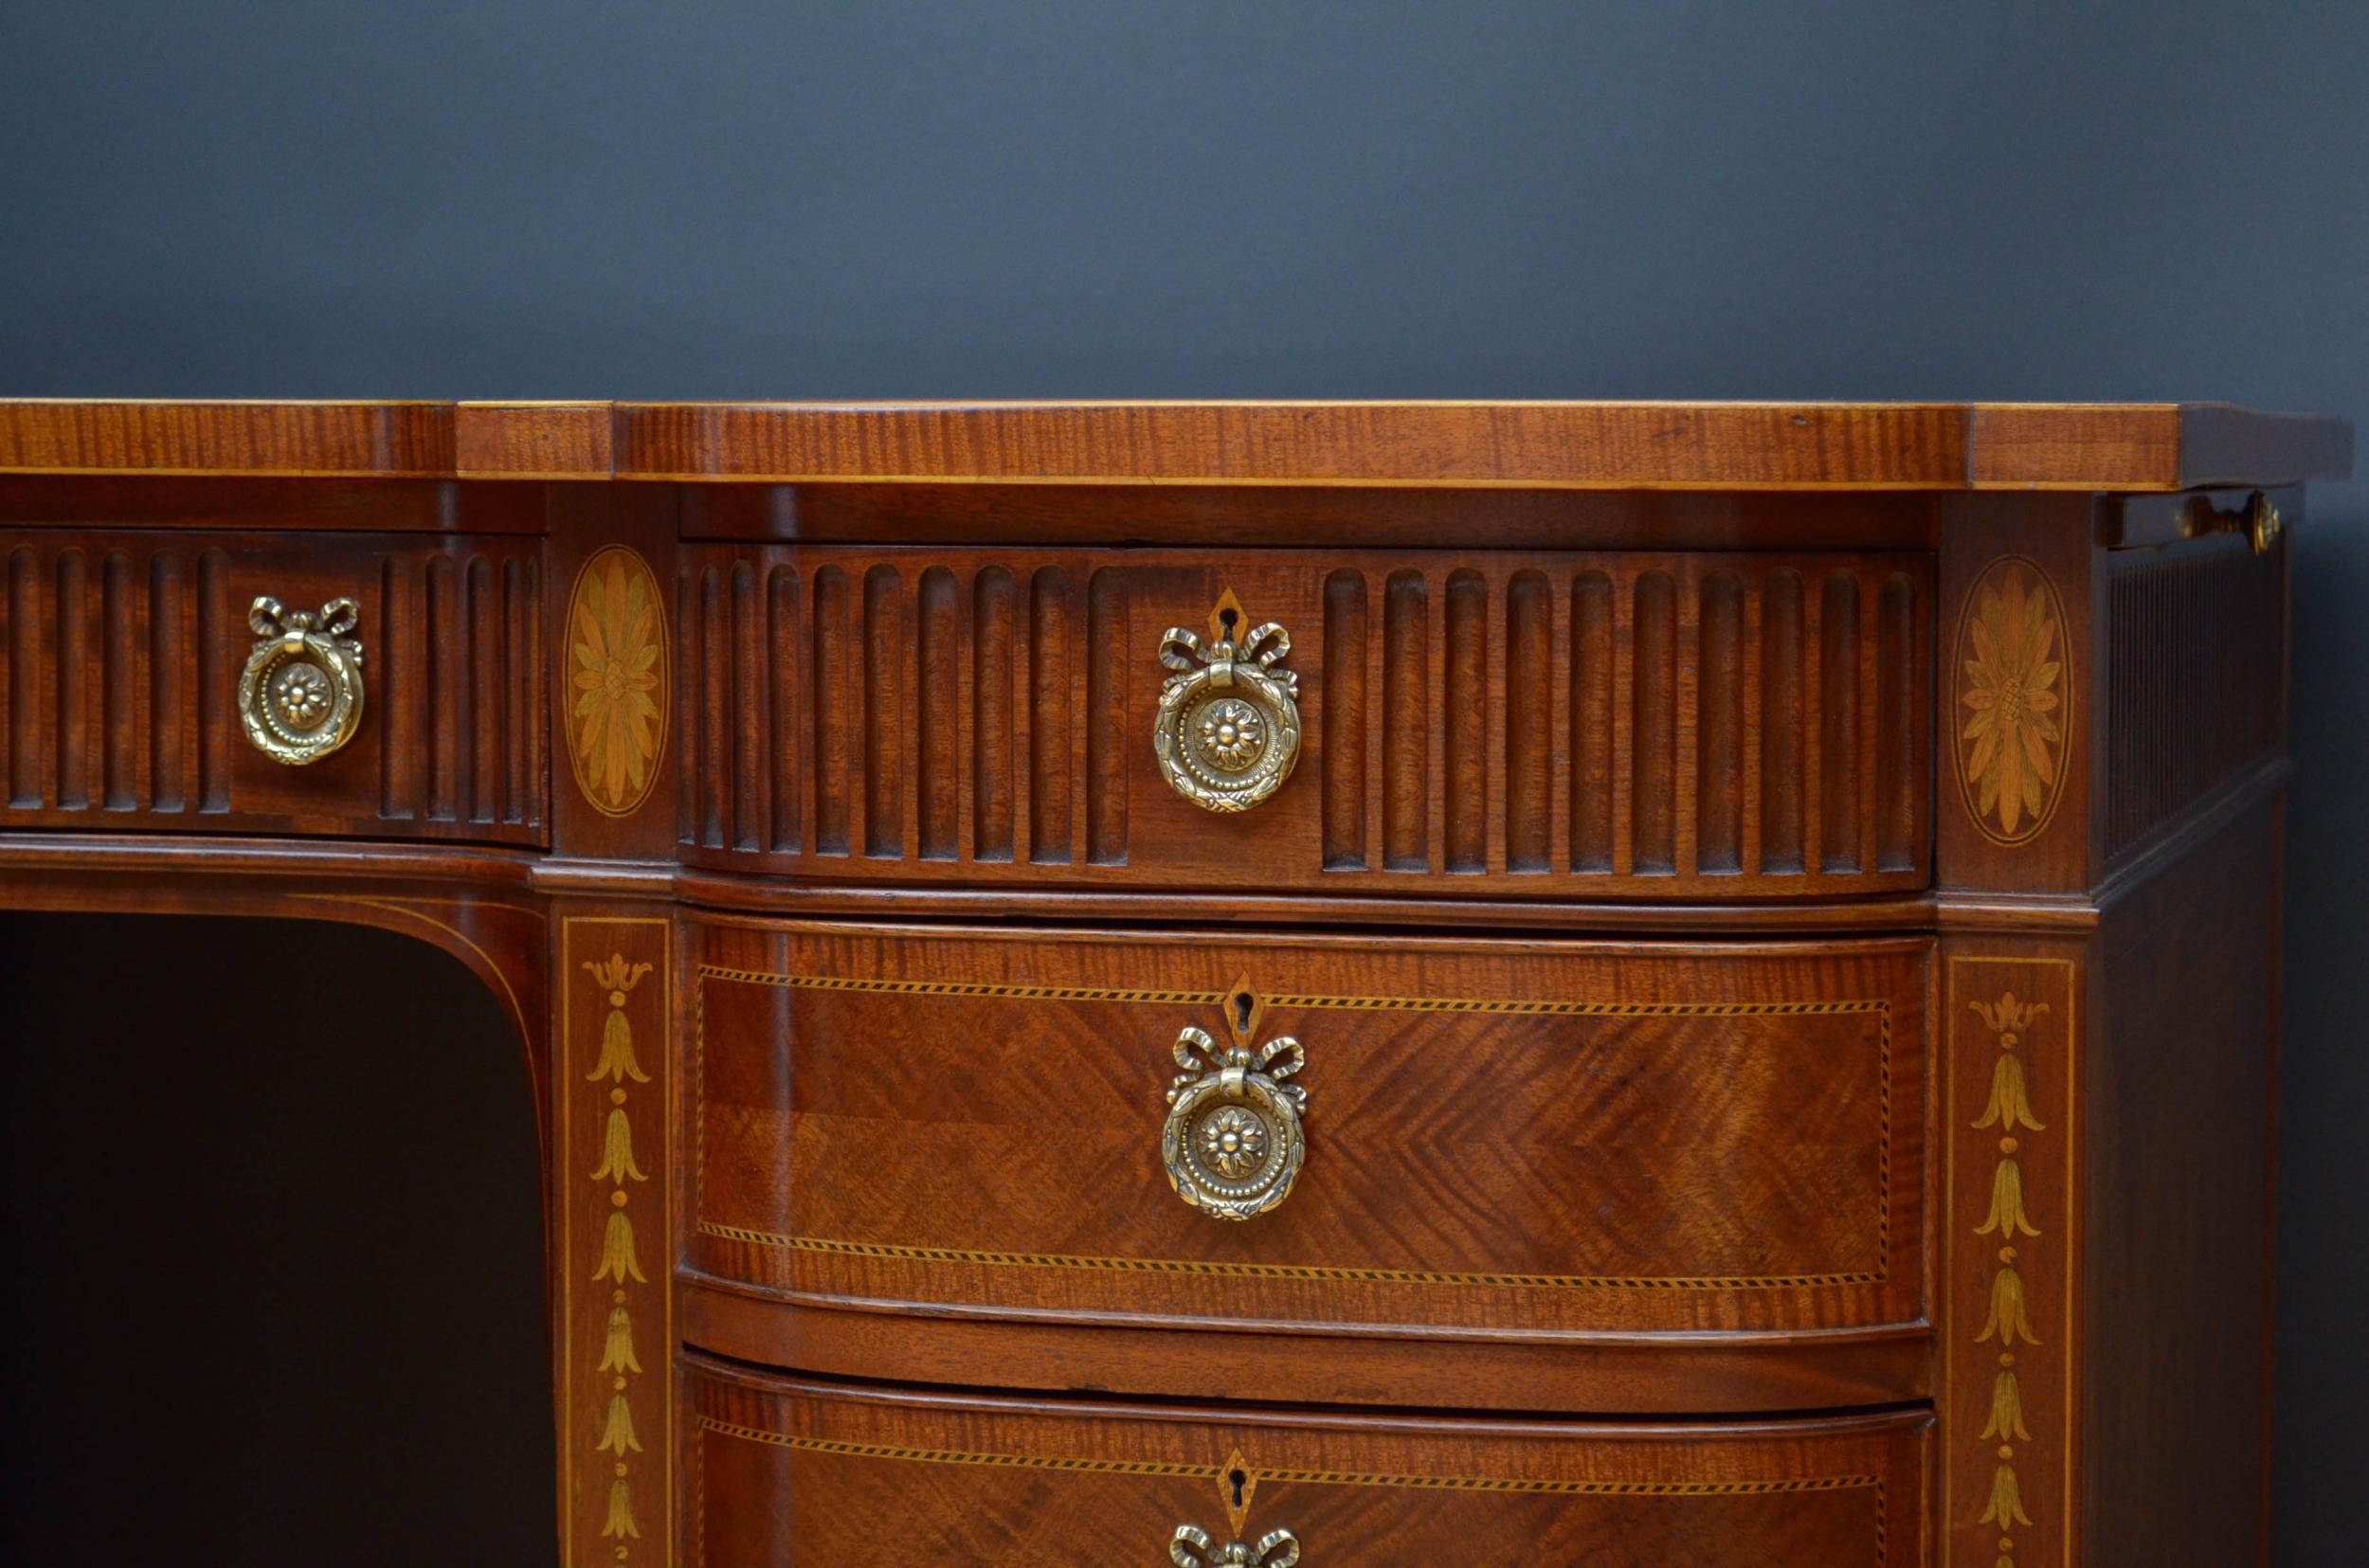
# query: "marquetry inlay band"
{"type": "Point", "coordinates": [1534, 1007]}
{"type": "Point", "coordinates": [1524, 1484]}
{"type": "Point", "coordinates": [1266, 1271]}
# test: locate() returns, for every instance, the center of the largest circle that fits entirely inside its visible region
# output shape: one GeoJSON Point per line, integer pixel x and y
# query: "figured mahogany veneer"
{"type": "Point", "coordinates": [1779, 902]}
{"type": "Point", "coordinates": [1507, 1139]}
{"type": "Point", "coordinates": [1112, 1483]}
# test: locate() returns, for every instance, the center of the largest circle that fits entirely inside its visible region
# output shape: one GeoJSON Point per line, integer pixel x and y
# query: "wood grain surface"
{"type": "Point", "coordinates": [967, 1478]}
{"type": "Point", "coordinates": [1504, 1137]}
{"type": "Point", "coordinates": [1609, 445]}
{"type": "Point", "coordinates": [1578, 725]}
{"type": "Point", "coordinates": [121, 654]}
{"type": "Point", "coordinates": [1664, 765]}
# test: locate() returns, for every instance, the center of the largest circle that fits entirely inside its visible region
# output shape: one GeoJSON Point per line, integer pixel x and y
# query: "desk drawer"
{"type": "Point", "coordinates": [1555, 725]}
{"type": "Point", "coordinates": [124, 652]}
{"type": "Point", "coordinates": [1501, 1140]}
{"type": "Point", "coordinates": [813, 1473]}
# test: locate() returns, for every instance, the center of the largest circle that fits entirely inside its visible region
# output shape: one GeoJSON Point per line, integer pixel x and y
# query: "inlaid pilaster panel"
{"type": "Point", "coordinates": [613, 1144]}
{"type": "Point", "coordinates": [1597, 725]}
{"type": "Point", "coordinates": [2011, 1123]}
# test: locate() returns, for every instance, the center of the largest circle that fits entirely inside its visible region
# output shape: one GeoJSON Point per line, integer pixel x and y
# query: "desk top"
{"type": "Point", "coordinates": [1932, 447]}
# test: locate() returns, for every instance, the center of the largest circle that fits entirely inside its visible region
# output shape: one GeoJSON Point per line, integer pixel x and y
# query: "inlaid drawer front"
{"type": "Point", "coordinates": [1696, 725]}
{"type": "Point", "coordinates": [388, 685]}
{"type": "Point", "coordinates": [778, 1471]}
{"type": "Point", "coordinates": [1403, 1134]}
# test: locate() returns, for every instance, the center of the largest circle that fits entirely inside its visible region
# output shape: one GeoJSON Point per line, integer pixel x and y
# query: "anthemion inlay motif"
{"type": "Point", "coordinates": [2014, 705]}
{"type": "Point", "coordinates": [616, 694]}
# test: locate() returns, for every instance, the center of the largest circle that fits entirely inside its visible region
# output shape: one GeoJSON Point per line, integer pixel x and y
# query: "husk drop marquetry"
{"type": "Point", "coordinates": [619, 1442]}
{"type": "Point", "coordinates": [2009, 1442]}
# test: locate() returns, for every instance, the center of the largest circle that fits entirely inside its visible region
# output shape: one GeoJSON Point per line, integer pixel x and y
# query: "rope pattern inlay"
{"type": "Point", "coordinates": [1546, 1008]}
{"type": "Point", "coordinates": [1316, 1478]}
{"type": "Point", "coordinates": [1317, 1273]}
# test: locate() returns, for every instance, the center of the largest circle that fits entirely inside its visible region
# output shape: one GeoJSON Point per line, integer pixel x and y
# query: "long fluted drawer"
{"type": "Point", "coordinates": [839, 1474]}
{"type": "Point", "coordinates": [1567, 725]}
{"type": "Point", "coordinates": [122, 656]}
{"type": "Point", "coordinates": [1503, 1142]}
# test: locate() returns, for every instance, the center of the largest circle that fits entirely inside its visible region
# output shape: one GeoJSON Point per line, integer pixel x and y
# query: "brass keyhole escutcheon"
{"type": "Point", "coordinates": [1229, 718]}
{"type": "Point", "coordinates": [300, 695]}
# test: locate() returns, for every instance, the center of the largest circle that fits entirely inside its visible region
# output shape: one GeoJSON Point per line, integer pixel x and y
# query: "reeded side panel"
{"type": "Point", "coordinates": [1568, 725]}
{"type": "Point", "coordinates": [122, 654]}
{"type": "Point", "coordinates": [2194, 673]}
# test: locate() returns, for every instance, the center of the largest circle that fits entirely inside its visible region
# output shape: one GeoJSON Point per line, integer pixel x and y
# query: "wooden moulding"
{"type": "Point", "coordinates": [1583, 445]}
{"type": "Point", "coordinates": [1113, 1483]}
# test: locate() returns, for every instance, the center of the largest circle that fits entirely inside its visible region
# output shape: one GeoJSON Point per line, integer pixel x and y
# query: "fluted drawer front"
{"type": "Point", "coordinates": [120, 661]}
{"type": "Point", "coordinates": [1573, 725]}
{"type": "Point", "coordinates": [1497, 1135]}
{"type": "Point", "coordinates": [783, 1470]}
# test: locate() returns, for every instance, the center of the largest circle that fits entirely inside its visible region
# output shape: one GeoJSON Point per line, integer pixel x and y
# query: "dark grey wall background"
{"type": "Point", "coordinates": [978, 198]}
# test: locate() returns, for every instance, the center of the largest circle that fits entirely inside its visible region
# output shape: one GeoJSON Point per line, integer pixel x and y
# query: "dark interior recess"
{"type": "Point", "coordinates": [275, 1250]}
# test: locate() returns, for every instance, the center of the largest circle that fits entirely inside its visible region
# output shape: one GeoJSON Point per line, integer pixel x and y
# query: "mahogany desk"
{"type": "Point", "coordinates": [1496, 984]}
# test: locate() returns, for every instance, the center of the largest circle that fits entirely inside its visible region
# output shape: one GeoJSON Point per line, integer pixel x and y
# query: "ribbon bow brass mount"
{"type": "Point", "coordinates": [1229, 721]}
{"type": "Point", "coordinates": [1192, 1548]}
{"type": "Point", "coordinates": [1233, 1144]}
{"type": "Point", "coordinates": [301, 695]}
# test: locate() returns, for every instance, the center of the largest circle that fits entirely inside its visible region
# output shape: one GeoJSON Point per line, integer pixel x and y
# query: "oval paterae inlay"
{"type": "Point", "coordinates": [2013, 701]}
{"type": "Point", "coordinates": [616, 691]}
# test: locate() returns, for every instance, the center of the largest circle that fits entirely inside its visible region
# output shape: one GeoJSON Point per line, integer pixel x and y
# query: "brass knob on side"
{"type": "Point", "coordinates": [2263, 523]}
{"type": "Point", "coordinates": [1191, 1547]}
{"type": "Point", "coordinates": [2258, 522]}
{"type": "Point", "coordinates": [300, 695]}
{"type": "Point", "coordinates": [1233, 1143]}
{"type": "Point", "coordinates": [1229, 721]}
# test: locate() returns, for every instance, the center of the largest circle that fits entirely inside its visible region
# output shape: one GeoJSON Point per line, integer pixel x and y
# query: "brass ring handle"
{"type": "Point", "coordinates": [1233, 1144]}
{"type": "Point", "coordinates": [1191, 1547]}
{"type": "Point", "coordinates": [300, 695]}
{"type": "Point", "coordinates": [1229, 720]}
